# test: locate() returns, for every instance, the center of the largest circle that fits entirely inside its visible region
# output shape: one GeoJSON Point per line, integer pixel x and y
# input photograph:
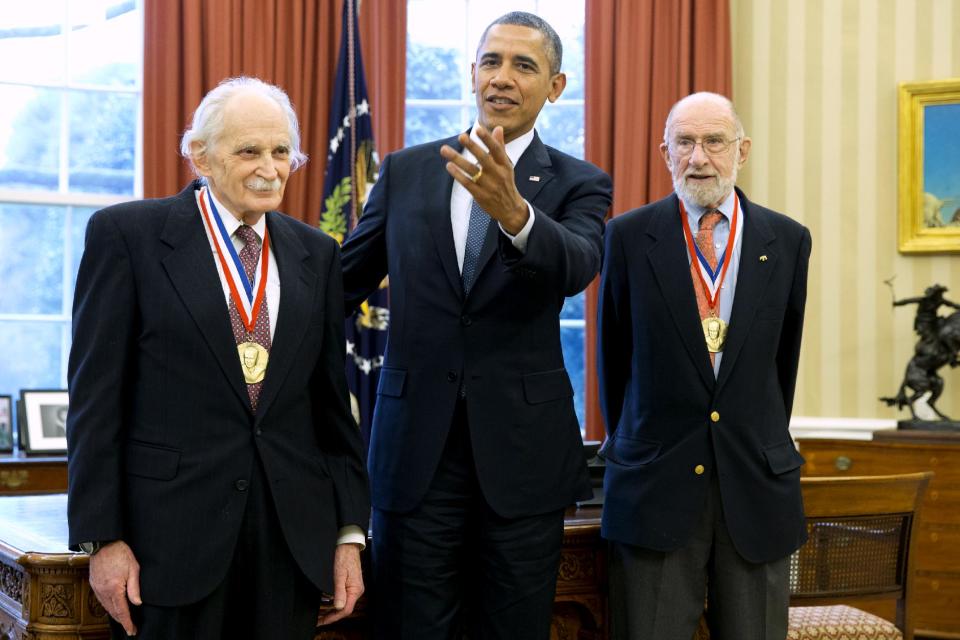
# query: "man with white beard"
{"type": "Point", "coordinates": [700, 316]}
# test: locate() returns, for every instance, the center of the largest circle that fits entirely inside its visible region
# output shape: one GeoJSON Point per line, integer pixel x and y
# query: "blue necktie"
{"type": "Point", "coordinates": [476, 232]}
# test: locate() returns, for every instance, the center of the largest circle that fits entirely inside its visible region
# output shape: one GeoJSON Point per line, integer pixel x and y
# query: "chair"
{"type": "Point", "coordinates": [859, 552]}
{"type": "Point", "coordinates": [861, 543]}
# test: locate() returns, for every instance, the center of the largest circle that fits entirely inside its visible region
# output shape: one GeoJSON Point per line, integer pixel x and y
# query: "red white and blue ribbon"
{"type": "Point", "coordinates": [248, 304]}
{"type": "Point", "coordinates": [708, 277]}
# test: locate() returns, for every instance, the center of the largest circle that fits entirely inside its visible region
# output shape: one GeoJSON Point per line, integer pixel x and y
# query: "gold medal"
{"type": "Point", "coordinates": [715, 333]}
{"type": "Point", "coordinates": [253, 361]}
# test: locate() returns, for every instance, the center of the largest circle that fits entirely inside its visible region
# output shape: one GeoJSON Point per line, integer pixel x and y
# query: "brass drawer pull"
{"type": "Point", "coordinates": [843, 463]}
{"type": "Point", "coordinates": [13, 478]}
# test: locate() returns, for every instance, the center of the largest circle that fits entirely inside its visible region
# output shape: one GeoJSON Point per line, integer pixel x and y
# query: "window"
{"type": "Point", "coordinates": [70, 111]}
{"type": "Point", "coordinates": [440, 103]}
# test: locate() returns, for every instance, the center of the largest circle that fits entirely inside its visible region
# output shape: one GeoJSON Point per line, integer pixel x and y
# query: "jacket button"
{"type": "Point", "coordinates": [241, 485]}
{"type": "Point", "coordinates": [714, 416]}
{"type": "Point", "coordinates": [451, 376]}
{"type": "Point", "coordinates": [466, 320]}
{"type": "Point", "coordinates": [258, 431]}
{"type": "Point", "coordinates": [698, 469]}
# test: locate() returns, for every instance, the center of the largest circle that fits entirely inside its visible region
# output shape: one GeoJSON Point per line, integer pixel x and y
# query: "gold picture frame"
{"type": "Point", "coordinates": [929, 211]}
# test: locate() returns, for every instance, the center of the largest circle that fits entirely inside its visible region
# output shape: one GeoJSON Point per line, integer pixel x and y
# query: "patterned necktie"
{"type": "Point", "coordinates": [249, 256]}
{"type": "Point", "coordinates": [704, 240]}
{"type": "Point", "coordinates": [476, 232]}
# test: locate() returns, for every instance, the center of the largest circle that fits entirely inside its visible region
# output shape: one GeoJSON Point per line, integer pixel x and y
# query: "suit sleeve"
{"type": "Point", "coordinates": [614, 331]}
{"type": "Point", "coordinates": [104, 321]}
{"type": "Point", "coordinates": [364, 255]}
{"type": "Point", "coordinates": [564, 246]}
{"type": "Point", "coordinates": [788, 352]}
{"type": "Point", "coordinates": [337, 432]}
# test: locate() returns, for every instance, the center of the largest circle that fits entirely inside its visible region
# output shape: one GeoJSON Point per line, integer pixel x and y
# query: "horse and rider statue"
{"type": "Point", "coordinates": [939, 345]}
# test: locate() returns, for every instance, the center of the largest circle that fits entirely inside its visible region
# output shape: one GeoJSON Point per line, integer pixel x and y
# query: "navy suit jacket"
{"type": "Point", "coordinates": [160, 431]}
{"type": "Point", "coordinates": [658, 388]}
{"type": "Point", "coordinates": [502, 341]}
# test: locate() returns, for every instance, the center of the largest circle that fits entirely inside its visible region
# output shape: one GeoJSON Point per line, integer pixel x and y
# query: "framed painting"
{"type": "Point", "coordinates": [6, 424]}
{"type": "Point", "coordinates": [929, 207]}
{"type": "Point", "coordinates": [44, 420]}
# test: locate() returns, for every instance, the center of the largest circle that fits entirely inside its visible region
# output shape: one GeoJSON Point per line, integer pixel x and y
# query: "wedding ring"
{"type": "Point", "coordinates": [475, 177]}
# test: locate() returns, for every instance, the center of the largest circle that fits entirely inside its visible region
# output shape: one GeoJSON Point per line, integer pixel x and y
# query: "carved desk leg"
{"type": "Point", "coordinates": [57, 600]}
{"type": "Point", "coordinates": [580, 607]}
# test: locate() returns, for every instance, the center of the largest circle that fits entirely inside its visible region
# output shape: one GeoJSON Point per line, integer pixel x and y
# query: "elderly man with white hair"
{"type": "Point", "coordinates": [216, 476]}
{"type": "Point", "coordinates": [701, 308]}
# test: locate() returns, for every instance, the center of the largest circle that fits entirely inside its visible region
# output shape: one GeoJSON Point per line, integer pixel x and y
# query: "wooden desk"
{"type": "Point", "coordinates": [936, 596]}
{"type": "Point", "coordinates": [44, 593]}
{"type": "Point", "coordinates": [20, 473]}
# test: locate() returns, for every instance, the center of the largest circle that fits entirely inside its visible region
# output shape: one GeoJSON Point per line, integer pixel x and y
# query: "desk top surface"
{"type": "Point", "coordinates": [34, 523]}
{"type": "Point", "coordinates": [38, 523]}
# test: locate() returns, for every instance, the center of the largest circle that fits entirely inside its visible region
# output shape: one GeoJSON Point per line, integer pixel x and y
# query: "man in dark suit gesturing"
{"type": "Point", "coordinates": [701, 310]}
{"type": "Point", "coordinates": [475, 447]}
{"type": "Point", "coordinates": [216, 474]}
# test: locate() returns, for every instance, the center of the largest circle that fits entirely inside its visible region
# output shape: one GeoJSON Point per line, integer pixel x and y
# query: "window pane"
{"type": "Point", "coordinates": [572, 340]}
{"type": "Point", "coordinates": [102, 141]}
{"type": "Point", "coordinates": [434, 73]}
{"type": "Point", "coordinates": [573, 307]}
{"type": "Point", "coordinates": [33, 38]}
{"type": "Point", "coordinates": [31, 259]}
{"type": "Point", "coordinates": [29, 137]}
{"type": "Point", "coordinates": [561, 126]}
{"type": "Point", "coordinates": [426, 123]}
{"type": "Point", "coordinates": [31, 356]}
{"type": "Point", "coordinates": [105, 43]}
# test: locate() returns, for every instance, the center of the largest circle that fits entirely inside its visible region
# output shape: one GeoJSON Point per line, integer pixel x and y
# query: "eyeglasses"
{"type": "Point", "coordinates": [712, 145]}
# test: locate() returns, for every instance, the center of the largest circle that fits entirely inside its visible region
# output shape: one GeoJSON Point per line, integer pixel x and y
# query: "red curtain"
{"type": "Point", "coordinates": [191, 46]}
{"type": "Point", "coordinates": [641, 57]}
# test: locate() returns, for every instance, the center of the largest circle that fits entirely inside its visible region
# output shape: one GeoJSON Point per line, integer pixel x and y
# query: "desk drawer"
{"type": "Point", "coordinates": [935, 602]}
{"type": "Point", "coordinates": [871, 459]}
{"type": "Point", "coordinates": [937, 547]}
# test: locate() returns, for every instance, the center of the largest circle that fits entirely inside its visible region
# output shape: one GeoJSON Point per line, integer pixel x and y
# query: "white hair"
{"type": "Point", "coordinates": [207, 124]}
{"type": "Point", "coordinates": [705, 95]}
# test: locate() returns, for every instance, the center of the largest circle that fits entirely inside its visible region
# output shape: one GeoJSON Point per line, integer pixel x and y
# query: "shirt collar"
{"type": "Point", "coordinates": [230, 221]}
{"type": "Point", "coordinates": [695, 211]}
{"type": "Point", "coordinates": [514, 148]}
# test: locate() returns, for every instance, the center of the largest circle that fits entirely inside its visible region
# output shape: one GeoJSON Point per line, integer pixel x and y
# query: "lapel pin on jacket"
{"type": "Point", "coordinates": [534, 178]}
{"type": "Point", "coordinates": [763, 258]}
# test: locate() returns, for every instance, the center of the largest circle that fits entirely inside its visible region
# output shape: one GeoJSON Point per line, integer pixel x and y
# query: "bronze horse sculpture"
{"type": "Point", "coordinates": [939, 345]}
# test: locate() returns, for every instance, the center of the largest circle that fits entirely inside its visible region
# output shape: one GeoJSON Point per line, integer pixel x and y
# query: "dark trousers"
{"type": "Point", "coordinates": [264, 595]}
{"type": "Point", "coordinates": [453, 568]}
{"type": "Point", "coordinates": [660, 596]}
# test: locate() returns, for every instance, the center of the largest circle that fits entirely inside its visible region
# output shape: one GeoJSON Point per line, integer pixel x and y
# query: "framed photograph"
{"type": "Point", "coordinates": [6, 424]}
{"type": "Point", "coordinates": [44, 425]}
{"type": "Point", "coordinates": [929, 171]}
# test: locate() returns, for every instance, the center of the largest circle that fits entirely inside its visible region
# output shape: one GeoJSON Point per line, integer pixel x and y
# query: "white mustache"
{"type": "Point", "coordinates": [262, 184]}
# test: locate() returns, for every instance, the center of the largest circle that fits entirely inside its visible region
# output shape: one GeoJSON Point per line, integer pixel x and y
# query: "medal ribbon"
{"type": "Point", "coordinates": [712, 294]}
{"type": "Point", "coordinates": [248, 306]}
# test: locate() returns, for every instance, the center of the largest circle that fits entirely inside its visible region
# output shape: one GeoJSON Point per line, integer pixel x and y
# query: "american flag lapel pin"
{"type": "Point", "coordinates": [534, 178]}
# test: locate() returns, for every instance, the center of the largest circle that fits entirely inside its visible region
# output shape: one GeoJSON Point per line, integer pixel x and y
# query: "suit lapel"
{"type": "Point", "coordinates": [752, 279]}
{"type": "Point", "coordinates": [436, 187]}
{"type": "Point", "coordinates": [535, 162]}
{"type": "Point", "coordinates": [192, 271]}
{"type": "Point", "coordinates": [297, 284]}
{"type": "Point", "coordinates": [668, 258]}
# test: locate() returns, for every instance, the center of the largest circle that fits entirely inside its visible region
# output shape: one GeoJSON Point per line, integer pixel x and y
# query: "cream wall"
{"type": "Point", "coordinates": [815, 82]}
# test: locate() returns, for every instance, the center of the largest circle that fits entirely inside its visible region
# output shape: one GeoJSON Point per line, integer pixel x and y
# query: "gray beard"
{"type": "Point", "coordinates": [705, 194]}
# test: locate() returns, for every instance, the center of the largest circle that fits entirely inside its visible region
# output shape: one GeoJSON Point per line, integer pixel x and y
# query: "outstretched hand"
{"type": "Point", "coordinates": [490, 179]}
